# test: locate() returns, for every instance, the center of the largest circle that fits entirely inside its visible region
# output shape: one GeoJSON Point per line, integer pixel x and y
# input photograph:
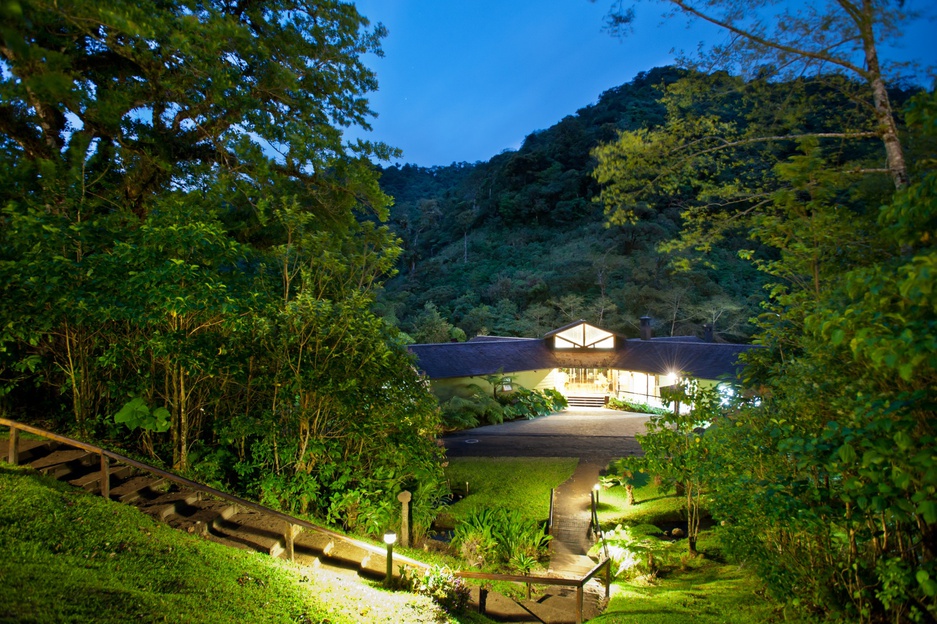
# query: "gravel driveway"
{"type": "Point", "coordinates": [591, 434]}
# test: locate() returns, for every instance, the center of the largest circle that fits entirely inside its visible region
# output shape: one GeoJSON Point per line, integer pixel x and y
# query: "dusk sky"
{"type": "Point", "coordinates": [463, 81]}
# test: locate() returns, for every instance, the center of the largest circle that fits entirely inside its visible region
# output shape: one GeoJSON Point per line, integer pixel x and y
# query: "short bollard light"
{"type": "Point", "coordinates": [389, 538]}
{"type": "Point", "coordinates": [596, 489]}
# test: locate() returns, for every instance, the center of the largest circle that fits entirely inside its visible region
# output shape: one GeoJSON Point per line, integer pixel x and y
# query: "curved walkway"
{"type": "Point", "coordinates": [595, 436]}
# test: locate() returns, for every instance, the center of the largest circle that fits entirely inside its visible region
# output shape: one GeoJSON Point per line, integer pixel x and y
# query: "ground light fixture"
{"type": "Point", "coordinates": [389, 538]}
{"type": "Point", "coordinates": [596, 488]}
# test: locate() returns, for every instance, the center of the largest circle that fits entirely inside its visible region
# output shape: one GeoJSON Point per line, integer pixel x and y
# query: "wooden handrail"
{"type": "Point", "coordinates": [578, 583]}
{"type": "Point", "coordinates": [209, 490]}
{"type": "Point", "coordinates": [518, 578]}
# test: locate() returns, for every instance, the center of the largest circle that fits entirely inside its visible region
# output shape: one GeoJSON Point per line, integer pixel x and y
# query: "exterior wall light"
{"type": "Point", "coordinates": [389, 538]}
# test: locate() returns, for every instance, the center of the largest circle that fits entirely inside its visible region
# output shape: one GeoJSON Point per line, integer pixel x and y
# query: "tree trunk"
{"type": "Point", "coordinates": [883, 109]}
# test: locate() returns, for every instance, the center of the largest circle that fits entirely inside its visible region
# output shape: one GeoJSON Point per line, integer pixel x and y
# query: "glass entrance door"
{"type": "Point", "coordinates": [588, 381]}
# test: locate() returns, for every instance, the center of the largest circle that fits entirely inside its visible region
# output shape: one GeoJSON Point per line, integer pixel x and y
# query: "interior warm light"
{"type": "Point", "coordinates": [390, 537]}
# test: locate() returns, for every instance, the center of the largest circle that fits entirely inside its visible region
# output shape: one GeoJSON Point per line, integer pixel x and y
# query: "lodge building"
{"type": "Point", "coordinates": [584, 362]}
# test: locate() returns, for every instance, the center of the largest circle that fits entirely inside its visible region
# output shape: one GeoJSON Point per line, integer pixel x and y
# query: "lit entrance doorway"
{"type": "Point", "coordinates": [588, 381]}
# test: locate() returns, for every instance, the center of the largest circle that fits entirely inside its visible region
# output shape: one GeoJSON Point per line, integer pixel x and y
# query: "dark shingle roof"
{"type": "Point", "coordinates": [704, 360]}
{"type": "Point", "coordinates": [482, 357]}
{"type": "Point", "coordinates": [489, 354]}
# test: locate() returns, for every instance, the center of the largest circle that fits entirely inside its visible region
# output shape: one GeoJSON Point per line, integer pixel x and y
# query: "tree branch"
{"type": "Point", "coordinates": [757, 39]}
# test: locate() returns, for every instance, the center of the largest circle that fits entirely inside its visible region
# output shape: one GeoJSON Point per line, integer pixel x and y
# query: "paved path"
{"type": "Point", "coordinates": [594, 435]}
{"type": "Point", "coordinates": [571, 521]}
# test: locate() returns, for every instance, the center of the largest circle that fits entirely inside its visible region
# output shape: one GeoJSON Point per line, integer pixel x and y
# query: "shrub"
{"type": "Point", "coordinates": [633, 406]}
{"type": "Point", "coordinates": [529, 404]}
{"type": "Point", "coordinates": [439, 583]}
{"type": "Point", "coordinates": [466, 412]}
{"type": "Point", "coordinates": [498, 536]}
{"type": "Point", "coordinates": [634, 551]}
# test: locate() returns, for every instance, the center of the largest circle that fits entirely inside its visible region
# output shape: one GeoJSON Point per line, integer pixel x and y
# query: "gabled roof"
{"type": "Point", "coordinates": [482, 357]}
{"type": "Point", "coordinates": [581, 334]}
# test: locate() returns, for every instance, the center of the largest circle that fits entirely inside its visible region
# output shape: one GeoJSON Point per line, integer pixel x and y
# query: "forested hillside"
{"type": "Point", "coordinates": [519, 245]}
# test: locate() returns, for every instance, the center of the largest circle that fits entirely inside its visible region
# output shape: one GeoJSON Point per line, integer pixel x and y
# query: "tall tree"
{"type": "Point", "coordinates": [189, 246]}
{"type": "Point", "coordinates": [780, 38]}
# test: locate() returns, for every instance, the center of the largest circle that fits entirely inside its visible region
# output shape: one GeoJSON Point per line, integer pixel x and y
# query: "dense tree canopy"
{"type": "Point", "coordinates": [190, 245]}
{"type": "Point", "coordinates": [823, 475]}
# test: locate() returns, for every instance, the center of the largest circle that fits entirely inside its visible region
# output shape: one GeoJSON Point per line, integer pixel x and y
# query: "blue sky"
{"type": "Point", "coordinates": [463, 80]}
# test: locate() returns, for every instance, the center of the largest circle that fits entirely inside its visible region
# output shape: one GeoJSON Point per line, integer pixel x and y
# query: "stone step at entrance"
{"type": "Point", "coordinates": [597, 400]}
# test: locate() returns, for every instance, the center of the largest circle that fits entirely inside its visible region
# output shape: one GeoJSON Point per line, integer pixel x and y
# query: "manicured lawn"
{"type": "Point", "coordinates": [701, 590]}
{"type": "Point", "coordinates": [69, 556]}
{"type": "Point", "coordinates": [651, 506]}
{"type": "Point", "coordinates": [521, 483]}
{"type": "Point", "coordinates": [705, 592]}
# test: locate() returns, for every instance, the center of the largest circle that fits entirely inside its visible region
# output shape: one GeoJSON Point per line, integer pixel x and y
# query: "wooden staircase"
{"type": "Point", "coordinates": [226, 519]}
{"type": "Point", "coordinates": [195, 511]}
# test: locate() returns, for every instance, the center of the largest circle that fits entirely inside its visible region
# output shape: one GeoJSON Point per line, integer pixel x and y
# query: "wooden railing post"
{"type": "Point", "coordinates": [550, 521]}
{"type": "Point", "coordinates": [608, 576]}
{"type": "Point", "coordinates": [579, 593]}
{"type": "Point", "coordinates": [105, 476]}
{"type": "Point", "coordinates": [14, 452]}
{"type": "Point", "coordinates": [292, 530]}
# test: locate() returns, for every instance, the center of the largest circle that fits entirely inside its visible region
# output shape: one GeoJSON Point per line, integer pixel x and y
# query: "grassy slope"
{"type": "Point", "coordinates": [69, 556]}
{"type": "Point", "coordinates": [521, 483]}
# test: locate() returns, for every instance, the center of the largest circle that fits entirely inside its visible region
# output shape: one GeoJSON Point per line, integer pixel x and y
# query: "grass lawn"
{"type": "Point", "coordinates": [651, 506]}
{"type": "Point", "coordinates": [521, 483]}
{"type": "Point", "coordinates": [69, 556]}
{"type": "Point", "coordinates": [705, 592]}
{"type": "Point", "coordinates": [702, 590]}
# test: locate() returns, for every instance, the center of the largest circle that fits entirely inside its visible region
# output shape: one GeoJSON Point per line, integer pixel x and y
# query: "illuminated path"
{"type": "Point", "coordinates": [593, 435]}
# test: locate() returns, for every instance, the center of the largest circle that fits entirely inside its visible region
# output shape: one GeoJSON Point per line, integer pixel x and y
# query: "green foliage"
{"type": "Point", "coordinates": [627, 405]}
{"type": "Point", "coordinates": [634, 550]}
{"type": "Point", "coordinates": [136, 414]}
{"type": "Point", "coordinates": [448, 591]}
{"type": "Point", "coordinates": [489, 537]}
{"type": "Point", "coordinates": [465, 412]}
{"type": "Point", "coordinates": [183, 222]}
{"type": "Point", "coordinates": [529, 404]}
{"type": "Point", "coordinates": [676, 450]}
{"type": "Point", "coordinates": [826, 483]}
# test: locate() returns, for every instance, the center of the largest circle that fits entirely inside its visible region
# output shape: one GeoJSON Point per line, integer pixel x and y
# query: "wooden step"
{"type": "Point", "coordinates": [142, 487]}
{"type": "Point", "coordinates": [91, 481]}
{"type": "Point", "coordinates": [59, 457]}
{"type": "Point", "coordinates": [260, 532]}
{"type": "Point", "coordinates": [28, 450]}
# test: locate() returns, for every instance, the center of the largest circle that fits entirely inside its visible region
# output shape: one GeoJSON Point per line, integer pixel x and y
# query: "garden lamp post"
{"type": "Point", "coordinates": [596, 489]}
{"type": "Point", "coordinates": [389, 538]}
